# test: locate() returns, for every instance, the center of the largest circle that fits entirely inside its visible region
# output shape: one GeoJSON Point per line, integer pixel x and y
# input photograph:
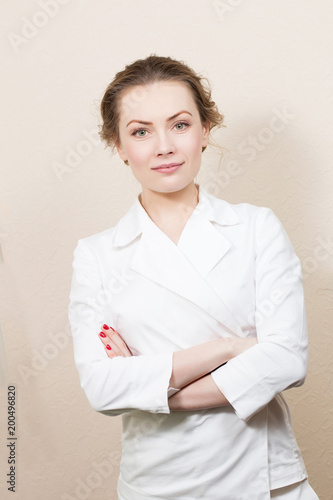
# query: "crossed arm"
{"type": "Point", "coordinates": [255, 372]}
{"type": "Point", "coordinates": [190, 369]}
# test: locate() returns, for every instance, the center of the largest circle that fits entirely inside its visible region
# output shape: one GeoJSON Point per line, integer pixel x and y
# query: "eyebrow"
{"type": "Point", "coordinates": [168, 119]}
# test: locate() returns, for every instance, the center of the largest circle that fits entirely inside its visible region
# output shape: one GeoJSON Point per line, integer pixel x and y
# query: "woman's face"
{"type": "Point", "coordinates": [160, 125]}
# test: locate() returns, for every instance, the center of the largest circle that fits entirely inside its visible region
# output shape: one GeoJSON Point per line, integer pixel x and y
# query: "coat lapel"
{"type": "Point", "coordinates": [182, 268]}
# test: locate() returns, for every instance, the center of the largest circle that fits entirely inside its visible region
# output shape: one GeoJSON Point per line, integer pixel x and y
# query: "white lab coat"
{"type": "Point", "coordinates": [232, 273]}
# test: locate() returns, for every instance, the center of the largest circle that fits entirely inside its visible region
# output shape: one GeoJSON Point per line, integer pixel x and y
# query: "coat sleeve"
{"type": "Point", "coordinates": [118, 385]}
{"type": "Point", "coordinates": [279, 360]}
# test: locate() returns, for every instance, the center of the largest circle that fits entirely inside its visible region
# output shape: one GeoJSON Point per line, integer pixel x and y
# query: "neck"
{"type": "Point", "coordinates": [159, 205]}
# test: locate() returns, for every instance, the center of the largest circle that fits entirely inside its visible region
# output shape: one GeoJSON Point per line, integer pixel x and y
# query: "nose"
{"type": "Point", "coordinates": [164, 144]}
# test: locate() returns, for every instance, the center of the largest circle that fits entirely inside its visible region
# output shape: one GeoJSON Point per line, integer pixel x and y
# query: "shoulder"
{"type": "Point", "coordinates": [92, 248]}
{"type": "Point", "coordinates": [249, 211]}
{"type": "Point", "coordinates": [264, 228]}
{"type": "Point", "coordinates": [258, 216]}
{"type": "Point", "coordinates": [261, 220]}
{"type": "Point", "coordinates": [261, 230]}
{"type": "Point", "coordinates": [98, 239]}
{"type": "Point", "coordinates": [107, 239]}
{"type": "Point", "coordinates": [248, 222]}
{"type": "Point", "coordinates": [243, 213]}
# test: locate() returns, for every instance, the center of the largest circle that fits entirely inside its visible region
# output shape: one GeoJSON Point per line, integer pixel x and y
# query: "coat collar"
{"type": "Point", "coordinates": [136, 218]}
{"type": "Point", "coordinates": [183, 268]}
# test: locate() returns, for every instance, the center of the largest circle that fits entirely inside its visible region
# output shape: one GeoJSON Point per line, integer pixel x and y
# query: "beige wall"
{"type": "Point", "coordinates": [58, 184]}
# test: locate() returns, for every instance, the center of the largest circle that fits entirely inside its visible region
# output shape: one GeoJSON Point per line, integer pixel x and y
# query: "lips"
{"type": "Point", "coordinates": [168, 165]}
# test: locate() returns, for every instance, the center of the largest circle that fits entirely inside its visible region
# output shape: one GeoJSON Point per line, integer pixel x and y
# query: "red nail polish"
{"type": "Point", "coordinates": [112, 328]}
{"type": "Point", "coordinates": [105, 327]}
{"type": "Point", "coordinates": [102, 334]}
{"type": "Point", "coordinates": [108, 347]}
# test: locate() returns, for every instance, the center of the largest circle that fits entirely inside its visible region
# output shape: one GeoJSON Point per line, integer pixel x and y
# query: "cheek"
{"type": "Point", "coordinates": [137, 153]}
{"type": "Point", "coordinates": [191, 142]}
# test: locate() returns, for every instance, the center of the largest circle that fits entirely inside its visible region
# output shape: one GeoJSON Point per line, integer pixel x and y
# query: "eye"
{"type": "Point", "coordinates": [181, 125]}
{"type": "Point", "coordinates": [138, 131]}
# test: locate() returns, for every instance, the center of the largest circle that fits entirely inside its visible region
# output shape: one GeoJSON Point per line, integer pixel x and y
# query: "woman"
{"type": "Point", "coordinates": [188, 315]}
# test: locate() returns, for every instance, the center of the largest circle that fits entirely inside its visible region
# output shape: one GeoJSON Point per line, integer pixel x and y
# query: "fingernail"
{"type": "Point", "coordinates": [112, 328]}
{"type": "Point", "coordinates": [108, 347]}
{"type": "Point", "coordinates": [105, 327]}
{"type": "Point", "coordinates": [102, 334]}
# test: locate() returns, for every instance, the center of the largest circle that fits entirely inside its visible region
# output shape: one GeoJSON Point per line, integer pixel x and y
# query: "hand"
{"type": "Point", "coordinates": [113, 343]}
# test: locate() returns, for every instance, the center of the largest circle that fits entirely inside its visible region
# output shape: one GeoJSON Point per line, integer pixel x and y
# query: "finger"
{"type": "Point", "coordinates": [110, 352]}
{"type": "Point", "coordinates": [120, 344]}
{"type": "Point", "coordinates": [109, 345]}
{"type": "Point", "coordinates": [108, 335]}
{"type": "Point", "coordinates": [112, 337]}
{"type": "Point", "coordinates": [117, 340]}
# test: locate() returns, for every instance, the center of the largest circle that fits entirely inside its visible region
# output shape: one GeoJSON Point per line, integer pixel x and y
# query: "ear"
{"type": "Point", "coordinates": [205, 134]}
{"type": "Point", "coordinates": [121, 152]}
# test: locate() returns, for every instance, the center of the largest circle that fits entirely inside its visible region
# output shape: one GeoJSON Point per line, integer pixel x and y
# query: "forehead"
{"type": "Point", "coordinates": [156, 101]}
